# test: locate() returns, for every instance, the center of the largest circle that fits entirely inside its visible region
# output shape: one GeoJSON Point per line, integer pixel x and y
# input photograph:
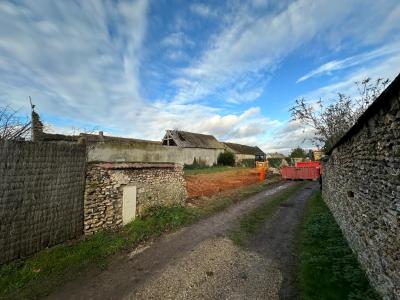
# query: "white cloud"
{"type": "Point", "coordinates": [177, 39]}
{"type": "Point", "coordinates": [385, 68]}
{"type": "Point", "coordinates": [252, 44]}
{"type": "Point", "coordinates": [202, 10]}
{"type": "Point", "coordinates": [289, 136]}
{"type": "Point", "coordinates": [78, 60]}
{"type": "Point", "coordinates": [352, 61]}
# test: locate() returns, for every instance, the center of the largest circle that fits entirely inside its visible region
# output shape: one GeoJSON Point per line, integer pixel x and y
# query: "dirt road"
{"type": "Point", "coordinates": [200, 262]}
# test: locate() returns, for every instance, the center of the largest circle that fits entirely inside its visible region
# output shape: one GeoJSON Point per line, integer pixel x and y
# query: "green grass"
{"type": "Point", "coordinates": [251, 222]}
{"type": "Point", "coordinates": [208, 170]}
{"type": "Point", "coordinates": [40, 274]}
{"type": "Point", "coordinates": [328, 269]}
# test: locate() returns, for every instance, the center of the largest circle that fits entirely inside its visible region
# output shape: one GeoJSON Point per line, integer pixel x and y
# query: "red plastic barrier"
{"type": "Point", "coordinates": [305, 173]}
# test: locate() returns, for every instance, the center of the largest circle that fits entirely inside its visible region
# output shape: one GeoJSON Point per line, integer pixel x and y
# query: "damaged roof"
{"type": "Point", "coordinates": [193, 140]}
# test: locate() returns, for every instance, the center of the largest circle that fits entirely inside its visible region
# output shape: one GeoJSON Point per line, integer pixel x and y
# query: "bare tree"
{"type": "Point", "coordinates": [12, 126]}
{"type": "Point", "coordinates": [331, 121]}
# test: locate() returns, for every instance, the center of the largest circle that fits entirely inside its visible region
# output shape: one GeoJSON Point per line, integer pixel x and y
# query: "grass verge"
{"type": "Point", "coordinates": [328, 269]}
{"type": "Point", "coordinates": [37, 276]}
{"type": "Point", "coordinates": [40, 274]}
{"type": "Point", "coordinates": [252, 221]}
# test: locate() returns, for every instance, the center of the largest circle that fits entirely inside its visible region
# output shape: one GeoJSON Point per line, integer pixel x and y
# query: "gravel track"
{"type": "Point", "coordinates": [200, 262]}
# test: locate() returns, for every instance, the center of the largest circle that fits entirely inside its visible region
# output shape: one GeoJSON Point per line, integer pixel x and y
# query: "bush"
{"type": "Point", "coordinates": [249, 163]}
{"type": "Point", "coordinates": [226, 159]}
{"type": "Point", "coordinates": [197, 164]}
{"type": "Point", "coordinates": [274, 162]}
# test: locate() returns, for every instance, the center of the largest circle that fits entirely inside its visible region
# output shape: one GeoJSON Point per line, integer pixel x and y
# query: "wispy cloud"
{"type": "Point", "coordinates": [356, 60]}
{"type": "Point", "coordinates": [97, 63]}
{"type": "Point", "coordinates": [202, 10]}
{"type": "Point", "coordinates": [78, 60]}
{"type": "Point", "coordinates": [253, 45]}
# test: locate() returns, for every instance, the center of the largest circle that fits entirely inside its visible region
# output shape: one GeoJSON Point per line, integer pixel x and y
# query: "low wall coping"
{"type": "Point", "coordinates": [118, 166]}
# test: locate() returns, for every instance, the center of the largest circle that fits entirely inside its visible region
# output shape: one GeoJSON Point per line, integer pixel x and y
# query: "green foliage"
{"type": "Point", "coordinates": [226, 159]}
{"type": "Point", "coordinates": [197, 164]}
{"type": "Point", "coordinates": [249, 163]}
{"type": "Point", "coordinates": [328, 268]}
{"type": "Point", "coordinates": [208, 170]}
{"type": "Point", "coordinates": [289, 161]}
{"type": "Point", "coordinates": [252, 221]}
{"type": "Point", "coordinates": [274, 162]}
{"type": "Point", "coordinates": [298, 152]}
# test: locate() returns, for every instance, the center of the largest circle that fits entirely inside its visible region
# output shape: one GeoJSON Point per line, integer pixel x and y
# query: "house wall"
{"type": "Point", "coordinates": [156, 185]}
{"type": "Point", "coordinates": [150, 152]}
{"type": "Point", "coordinates": [240, 157]}
{"type": "Point", "coordinates": [361, 186]}
{"type": "Point", "coordinates": [41, 196]}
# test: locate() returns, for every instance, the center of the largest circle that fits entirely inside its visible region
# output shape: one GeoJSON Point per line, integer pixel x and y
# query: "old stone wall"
{"type": "Point", "coordinates": [361, 185]}
{"type": "Point", "coordinates": [41, 196]}
{"type": "Point", "coordinates": [156, 184]}
{"type": "Point", "coordinates": [150, 152]}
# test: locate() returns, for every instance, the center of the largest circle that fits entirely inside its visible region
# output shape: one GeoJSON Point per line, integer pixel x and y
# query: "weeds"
{"type": "Point", "coordinates": [252, 221]}
{"type": "Point", "coordinates": [328, 269]}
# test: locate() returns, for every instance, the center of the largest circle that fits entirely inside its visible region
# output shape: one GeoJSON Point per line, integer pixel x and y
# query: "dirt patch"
{"type": "Point", "coordinates": [210, 184]}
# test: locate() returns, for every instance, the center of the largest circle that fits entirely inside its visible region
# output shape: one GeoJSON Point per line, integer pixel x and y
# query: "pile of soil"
{"type": "Point", "coordinates": [210, 184]}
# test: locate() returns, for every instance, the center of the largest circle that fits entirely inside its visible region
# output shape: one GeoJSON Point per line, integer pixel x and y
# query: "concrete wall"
{"type": "Point", "coordinates": [361, 185]}
{"type": "Point", "coordinates": [156, 185]}
{"type": "Point", "coordinates": [41, 196]}
{"type": "Point", "coordinates": [150, 152]}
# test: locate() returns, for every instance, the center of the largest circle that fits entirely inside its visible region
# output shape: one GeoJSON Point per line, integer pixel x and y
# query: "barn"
{"type": "Point", "coordinates": [244, 154]}
{"type": "Point", "coordinates": [204, 148]}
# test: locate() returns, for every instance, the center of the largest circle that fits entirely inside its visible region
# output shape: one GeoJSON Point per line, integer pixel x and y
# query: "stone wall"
{"type": "Point", "coordinates": [361, 185]}
{"type": "Point", "coordinates": [150, 152]}
{"type": "Point", "coordinates": [157, 185]}
{"type": "Point", "coordinates": [41, 196]}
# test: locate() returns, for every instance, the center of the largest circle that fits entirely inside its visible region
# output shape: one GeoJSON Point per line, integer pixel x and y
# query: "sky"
{"type": "Point", "coordinates": [228, 68]}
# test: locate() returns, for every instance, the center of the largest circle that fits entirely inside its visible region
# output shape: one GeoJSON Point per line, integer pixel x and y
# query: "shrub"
{"type": "Point", "coordinates": [249, 163]}
{"type": "Point", "coordinates": [226, 159]}
{"type": "Point", "coordinates": [274, 162]}
{"type": "Point", "coordinates": [197, 164]}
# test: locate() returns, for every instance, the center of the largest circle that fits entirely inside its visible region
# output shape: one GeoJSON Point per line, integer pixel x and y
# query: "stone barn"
{"type": "Point", "coordinates": [203, 147]}
{"type": "Point", "coordinates": [361, 186]}
{"type": "Point", "coordinates": [244, 153]}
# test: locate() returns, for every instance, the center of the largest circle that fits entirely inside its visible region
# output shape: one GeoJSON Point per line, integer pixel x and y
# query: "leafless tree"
{"type": "Point", "coordinates": [331, 120]}
{"type": "Point", "coordinates": [12, 126]}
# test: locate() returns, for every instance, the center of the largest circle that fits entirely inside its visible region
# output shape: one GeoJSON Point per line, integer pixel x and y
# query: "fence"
{"type": "Point", "coordinates": [41, 196]}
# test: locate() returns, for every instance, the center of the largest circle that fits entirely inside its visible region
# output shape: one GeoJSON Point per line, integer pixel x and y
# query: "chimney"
{"type": "Point", "coordinates": [36, 128]}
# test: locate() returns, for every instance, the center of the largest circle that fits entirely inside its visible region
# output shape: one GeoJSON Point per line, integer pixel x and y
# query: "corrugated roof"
{"type": "Point", "coordinates": [275, 155]}
{"type": "Point", "coordinates": [244, 149]}
{"type": "Point", "coordinates": [186, 139]}
{"type": "Point", "coordinates": [384, 98]}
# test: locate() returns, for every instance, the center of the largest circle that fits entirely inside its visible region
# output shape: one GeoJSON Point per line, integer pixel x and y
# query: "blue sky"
{"type": "Point", "coordinates": [228, 68]}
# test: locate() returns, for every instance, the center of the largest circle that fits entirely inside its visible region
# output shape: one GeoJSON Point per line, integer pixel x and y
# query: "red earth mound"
{"type": "Point", "coordinates": [209, 184]}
